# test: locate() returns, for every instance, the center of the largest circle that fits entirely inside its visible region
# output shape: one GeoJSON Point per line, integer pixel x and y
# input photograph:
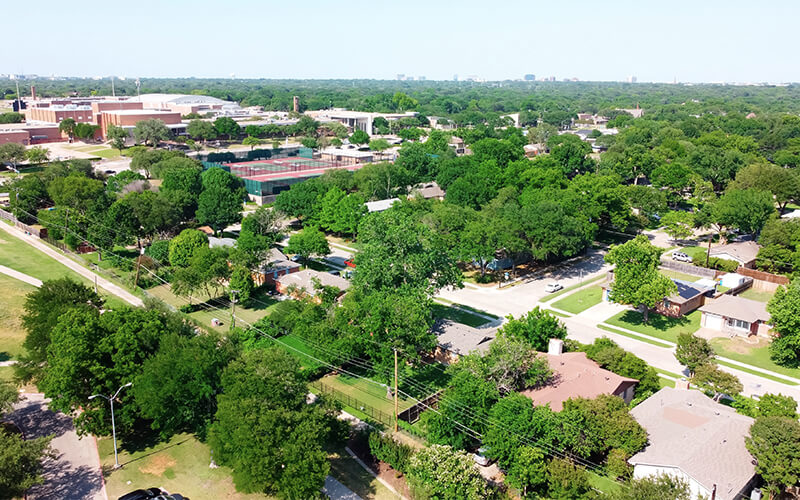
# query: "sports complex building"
{"type": "Point", "coordinates": [266, 177]}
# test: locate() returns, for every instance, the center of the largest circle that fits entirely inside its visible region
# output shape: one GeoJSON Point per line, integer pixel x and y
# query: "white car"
{"type": "Point", "coordinates": [480, 458]}
{"type": "Point", "coordinates": [552, 287]}
{"type": "Point", "coordinates": [681, 257]}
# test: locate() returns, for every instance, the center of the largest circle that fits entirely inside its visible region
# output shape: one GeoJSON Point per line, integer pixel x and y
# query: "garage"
{"type": "Point", "coordinates": [712, 321]}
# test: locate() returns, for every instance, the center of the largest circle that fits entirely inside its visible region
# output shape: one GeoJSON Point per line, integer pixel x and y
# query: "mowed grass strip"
{"type": "Point", "coordinates": [11, 332]}
{"type": "Point", "coordinates": [658, 326]}
{"type": "Point", "coordinates": [581, 300]}
{"type": "Point", "coordinates": [568, 289]}
{"type": "Point", "coordinates": [633, 336]}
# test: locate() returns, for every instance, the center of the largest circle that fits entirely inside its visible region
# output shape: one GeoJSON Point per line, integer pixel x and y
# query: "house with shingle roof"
{"type": "Point", "coordinates": [743, 252]}
{"type": "Point", "coordinates": [692, 437]}
{"type": "Point", "coordinates": [457, 339]}
{"type": "Point", "coordinates": [736, 316]}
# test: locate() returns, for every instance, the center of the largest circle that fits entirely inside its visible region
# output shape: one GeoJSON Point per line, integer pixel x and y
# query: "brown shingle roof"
{"type": "Point", "coordinates": [744, 251]}
{"type": "Point", "coordinates": [737, 308]}
{"type": "Point", "coordinates": [704, 439]}
{"type": "Point", "coordinates": [575, 376]}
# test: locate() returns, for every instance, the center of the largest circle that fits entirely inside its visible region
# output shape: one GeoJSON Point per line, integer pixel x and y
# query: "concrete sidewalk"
{"type": "Point", "coordinates": [335, 490]}
{"type": "Point", "coordinates": [91, 276]}
{"type": "Point", "coordinates": [21, 276]}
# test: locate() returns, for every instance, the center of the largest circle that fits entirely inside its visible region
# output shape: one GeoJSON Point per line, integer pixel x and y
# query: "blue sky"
{"type": "Point", "coordinates": [693, 41]}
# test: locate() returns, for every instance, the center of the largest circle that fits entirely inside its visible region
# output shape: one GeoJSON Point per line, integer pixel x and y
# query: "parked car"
{"type": "Point", "coordinates": [480, 457]}
{"type": "Point", "coordinates": [295, 258]}
{"type": "Point", "coordinates": [146, 494]}
{"type": "Point", "coordinates": [334, 272]}
{"type": "Point", "coordinates": [681, 257]}
{"type": "Point", "coordinates": [350, 263]}
{"type": "Point", "coordinates": [553, 287]}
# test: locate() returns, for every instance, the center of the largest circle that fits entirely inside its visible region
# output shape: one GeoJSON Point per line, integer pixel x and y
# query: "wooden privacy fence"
{"type": "Point", "coordinates": [411, 415]}
{"type": "Point", "coordinates": [689, 269]}
{"type": "Point", "coordinates": [763, 276]}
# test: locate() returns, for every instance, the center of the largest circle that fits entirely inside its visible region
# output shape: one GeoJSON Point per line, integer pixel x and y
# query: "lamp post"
{"type": "Point", "coordinates": [110, 400]}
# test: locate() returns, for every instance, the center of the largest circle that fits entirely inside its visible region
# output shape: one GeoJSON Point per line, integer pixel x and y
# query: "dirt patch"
{"type": "Point", "coordinates": [157, 465]}
{"type": "Point", "coordinates": [740, 346]}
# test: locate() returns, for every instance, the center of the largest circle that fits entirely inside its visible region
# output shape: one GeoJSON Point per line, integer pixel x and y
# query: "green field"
{"type": "Point", "coordinates": [658, 326]}
{"type": "Point", "coordinates": [364, 392]}
{"type": "Point", "coordinates": [11, 332]}
{"type": "Point", "coordinates": [24, 258]}
{"type": "Point", "coordinates": [179, 465]}
{"type": "Point", "coordinates": [581, 300]}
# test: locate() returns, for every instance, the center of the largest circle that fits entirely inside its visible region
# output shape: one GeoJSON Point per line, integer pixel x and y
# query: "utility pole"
{"type": "Point", "coordinates": [138, 264]}
{"type": "Point", "coordinates": [233, 308]}
{"type": "Point", "coordinates": [395, 390]}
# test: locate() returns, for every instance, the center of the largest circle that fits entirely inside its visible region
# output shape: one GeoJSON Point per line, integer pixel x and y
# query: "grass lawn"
{"type": "Point", "coordinates": [752, 294]}
{"type": "Point", "coordinates": [11, 332]}
{"type": "Point", "coordinates": [24, 258]}
{"type": "Point", "coordinates": [362, 483]}
{"type": "Point", "coordinates": [663, 382]}
{"type": "Point", "coordinates": [260, 306]}
{"type": "Point", "coordinates": [6, 373]}
{"type": "Point", "coordinates": [603, 483]}
{"type": "Point", "coordinates": [558, 313]}
{"type": "Point", "coordinates": [179, 466]}
{"type": "Point", "coordinates": [635, 337]}
{"type": "Point", "coordinates": [458, 315]}
{"type": "Point", "coordinates": [569, 289]}
{"type": "Point", "coordinates": [105, 153]}
{"type": "Point", "coordinates": [658, 326]}
{"type": "Point", "coordinates": [292, 344]}
{"type": "Point", "coordinates": [669, 273]}
{"type": "Point", "coordinates": [363, 393]}
{"type": "Point", "coordinates": [756, 355]}
{"type": "Point", "coordinates": [695, 252]}
{"type": "Point", "coordinates": [580, 300]}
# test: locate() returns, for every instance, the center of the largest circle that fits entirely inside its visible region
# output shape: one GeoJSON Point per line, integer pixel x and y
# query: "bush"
{"type": "Point", "coordinates": [159, 251]}
{"type": "Point", "coordinates": [72, 241]}
{"type": "Point", "coordinates": [617, 464]}
{"type": "Point", "coordinates": [728, 266]}
{"type": "Point", "coordinates": [390, 451]}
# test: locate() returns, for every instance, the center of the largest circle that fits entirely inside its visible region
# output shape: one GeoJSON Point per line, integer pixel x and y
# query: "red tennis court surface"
{"type": "Point", "coordinates": [289, 174]}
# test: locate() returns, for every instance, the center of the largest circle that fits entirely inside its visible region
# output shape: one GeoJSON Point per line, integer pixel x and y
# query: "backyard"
{"type": "Point", "coordinates": [659, 326]}
{"type": "Point", "coordinates": [758, 295]}
{"type": "Point", "coordinates": [580, 300]}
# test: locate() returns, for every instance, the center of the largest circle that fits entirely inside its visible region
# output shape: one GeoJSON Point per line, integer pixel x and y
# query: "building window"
{"type": "Point", "coordinates": [738, 324]}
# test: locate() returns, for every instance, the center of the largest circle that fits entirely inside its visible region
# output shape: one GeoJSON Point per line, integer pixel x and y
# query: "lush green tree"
{"type": "Point", "coordinates": [541, 133]}
{"type": "Point", "coordinates": [784, 310]}
{"type": "Point", "coordinates": [93, 353]}
{"type": "Point", "coordinates": [693, 351]}
{"type": "Point", "coordinates": [42, 309]}
{"type": "Point", "coordinates": [37, 154]}
{"type": "Point", "coordinates": [241, 285]}
{"type": "Point", "coordinates": [596, 426]}
{"type": "Point", "coordinates": [182, 178]}
{"type": "Point", "coordinates": [301, 199]}
{"type": "Point", "coordinates": [185, 245]}
{"type": "Point", "coordinates": [86, 131]}
{"type": "Point", "coordinates": [747, 210]}
{"type": "Point", "coordinates": [378, 181]}
{"type": "Point", "coordinates": [678, 225]}
{"type": "Point", "coordinates": [782, 183]}
{"type": "Point", "coordinates": [529, 470]}
{"type": "Point", "coordinates": [775, 444]}
{"type": "Point", "coordinates": [11, 117]}
{"type": "Point", "coordinates": [710, 378]}
{"type": "Point", "coordinates": [251, 141]}
{"type": "Point", "coordinates": [777, 405]}
{"type": "Point", "coordinates": [265, 431]}
{"type": "Point", "coordinates": [310, 241]}
{"type": "Point", "coordinates": [441, 472]}
{"type": "Point", "coordinates": [636, 278]}
{"type": "Point", "coordinates": [227, 126]}
{"type": "Point", "coordinates": [510, 364]}
{"type": "Point", "coordinates": [379, 145]}
{"type": "Point", "coordinates": [21, 463]}
{"type": "Point", "coordinates": [12, 154]}
{"type": "Point", "coordinates": [219, 208]}
{"type": "Point", "coordinates": [398, 250]}
{"type": "Point", "coordinates": [200, 129]}
{"type": "Point", "coordinates": [660, 487]}
{"type": "Point", "coordinates": [536, 327]}
{"type": "Point", "coordinates": [178, 386]}
{"type": "Point", "coordinates": [410, 134]}
{"type": "Point", "coordinates": [151, 132]}
{"type": "Point", "coordinates": [565, 480]}
{"type": "Point", "coordinates": [77, 192]}
{"type": "Point", "coordinates": [26, 195]}
{"type": "Point", "coordinates": [571, 152]}
{"type": "Point", "coordinates": [612, 357]}
{"type": "Point", "coordinates": [67, 126]}
{"type": "Point", "coordinates": [118, 137]}
{"type": "Point", "coordinates": [359, 137]}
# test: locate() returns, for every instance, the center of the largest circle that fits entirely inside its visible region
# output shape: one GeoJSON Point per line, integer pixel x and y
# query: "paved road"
{"type": "Point", "coordinates": [75, 472]}
{"type": "Point", "coordinates": [520, 299]}
{"type": "Point", "coordinates": [101, 282]}
{"type": "Point", "coordinates": [21, 276]}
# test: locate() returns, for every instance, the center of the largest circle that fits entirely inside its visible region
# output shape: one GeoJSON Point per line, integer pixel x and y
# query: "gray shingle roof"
{"type": "Point", "coordinates": [462, 339]}
{"type": "Point", "coordinates": [737, 308]}
{"type": "Point", "coordinates": [704, 439]}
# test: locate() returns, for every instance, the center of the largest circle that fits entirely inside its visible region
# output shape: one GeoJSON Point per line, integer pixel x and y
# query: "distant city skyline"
{"type": "Point", "coordinates": [711, 41]}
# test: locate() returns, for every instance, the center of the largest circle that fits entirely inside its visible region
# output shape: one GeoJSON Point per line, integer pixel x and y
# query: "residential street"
{"type": "Point", "coordinates": [75, 472]}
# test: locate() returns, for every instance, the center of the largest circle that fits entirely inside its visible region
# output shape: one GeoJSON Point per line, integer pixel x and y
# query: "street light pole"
{"type": "Point", "coordinates": [110, 400]}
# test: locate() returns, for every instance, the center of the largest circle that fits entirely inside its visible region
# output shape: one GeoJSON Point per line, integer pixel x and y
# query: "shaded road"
{"type": "Point", "coordinates": [63, 259]}
{"type": "Point", "coordinates": [75, 472]}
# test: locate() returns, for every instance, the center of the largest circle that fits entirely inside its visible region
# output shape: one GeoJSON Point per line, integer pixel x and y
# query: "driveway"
{"type": "Point", "coordinates": [520, 299]}
{"type": "Point", "coordinates": [335, 490]}
{"type": "Point", "coordinates": [75, 472]}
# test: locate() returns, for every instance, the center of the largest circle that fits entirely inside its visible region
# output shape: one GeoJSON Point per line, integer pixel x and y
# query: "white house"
{"type": "Point", "coordinates": [696, 439]}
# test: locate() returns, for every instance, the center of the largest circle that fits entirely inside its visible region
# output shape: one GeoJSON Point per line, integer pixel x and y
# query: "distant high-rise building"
{"type": "Point", "coordinates": [421, 78]}
{"type": "Point", "coordinates": [529, 77]}
{"type": "Point", "coordinates": [631, 79]}
{"type": "Point", "coordinates": [401, 76]}
{"type": "Point", "coordinates": [455, 78]}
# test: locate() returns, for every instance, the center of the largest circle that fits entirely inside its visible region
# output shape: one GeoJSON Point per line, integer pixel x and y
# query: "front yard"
{"type": "Point", "coordinates": [752, 354]}
{"type": "Point", "coordinates": [580, 300]}
{"type": "Point", "coordinates": [658, 326]}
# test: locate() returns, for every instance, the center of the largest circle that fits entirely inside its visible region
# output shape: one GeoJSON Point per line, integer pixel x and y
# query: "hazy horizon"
{"type": "Point", "coordinates": [691, 42]}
